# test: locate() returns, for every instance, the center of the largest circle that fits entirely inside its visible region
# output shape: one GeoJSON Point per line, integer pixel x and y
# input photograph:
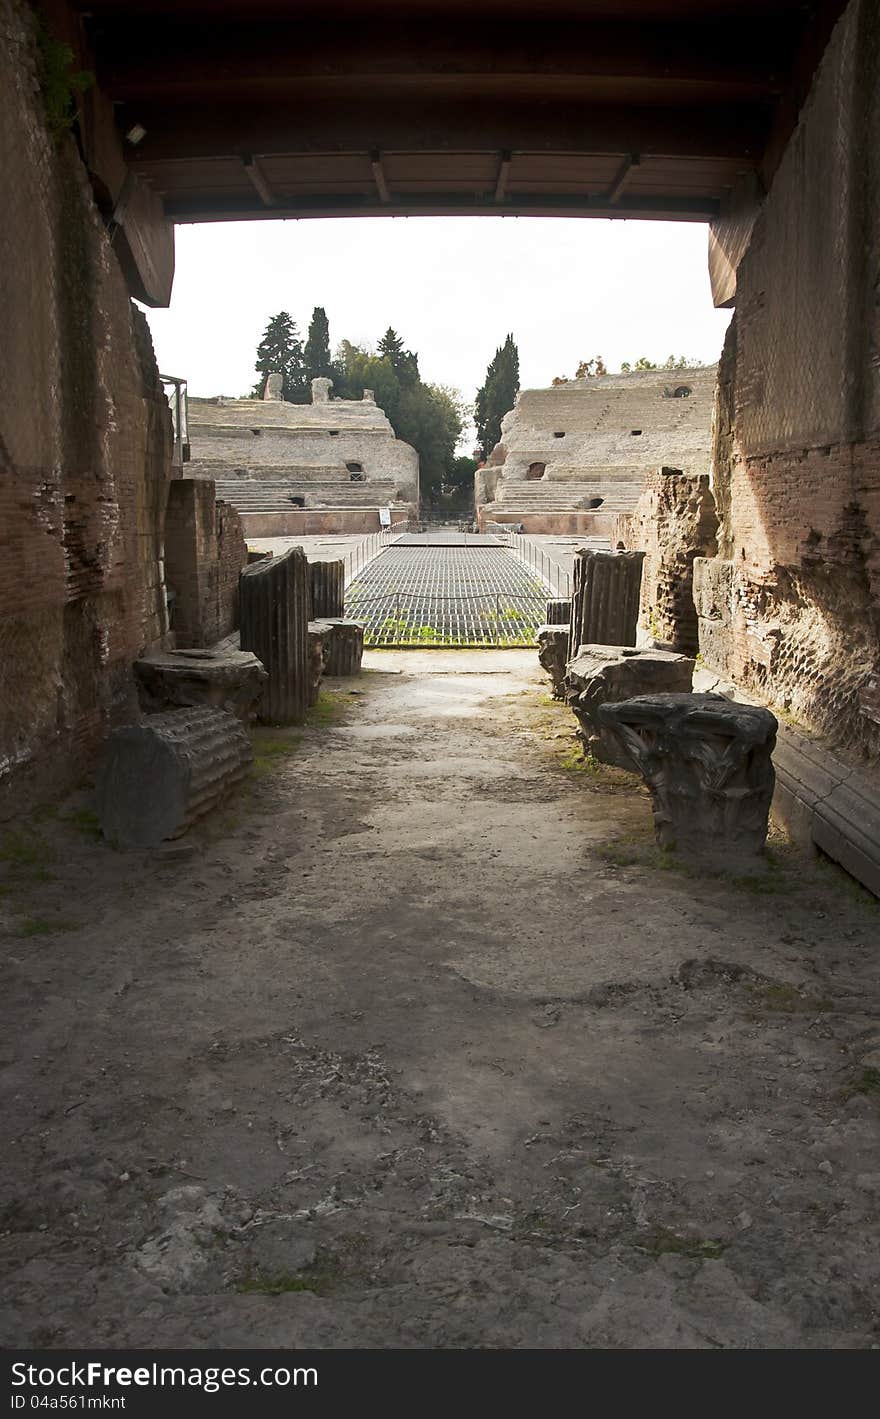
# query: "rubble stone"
{"type": "Point", "coordinates": [223, 678]}
{"type": "Point", "coordinates": [319, 654]}
{"type": "Point", "coordinates": [553, 654]}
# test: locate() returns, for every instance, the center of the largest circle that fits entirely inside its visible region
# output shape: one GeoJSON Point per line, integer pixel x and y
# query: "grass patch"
{"type": "Point", "coordinates": [84, 820]}
{"type": "Point", "coordinates": [271, 747]}
{"type": "Point", "coordinates": [830, 873]}
{"type": "Point", "coordinates": [330, 707]}
{"type": "Point", "coordinates": [43, 926]}
{"type": "Point", "coordinates": [321, 1277]}
{"type": "Point", "coordinates": [26, 855]}
{"type": "Point", "coordinates": [666, 1243]}
{"type": "Point", "coordinates": [867, 1083]}
{"type": "Point", "coordinates": [779, 998]}
{"type": "Point", "coordinates": [769, 879]}
{"type": "Point", "coordinates": [607, 778]}
{"type": "Point", "coordinates": [23, 848]}
{"type": "Point", "coordinates": [641, 852]}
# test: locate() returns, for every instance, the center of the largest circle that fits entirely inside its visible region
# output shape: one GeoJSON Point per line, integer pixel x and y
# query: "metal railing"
{"type": "Point", "coordinates": [364, 551]}
{"type": "Point", "coordinates": [555, 577]}
{"type": "Point", "coordinates": [399, 618]}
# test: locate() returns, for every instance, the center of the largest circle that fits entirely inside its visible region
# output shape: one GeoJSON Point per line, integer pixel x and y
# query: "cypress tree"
{"type": "Point", "coordinates": [318, 363]}
{"type": "Point", "coordinates": [497, 395]}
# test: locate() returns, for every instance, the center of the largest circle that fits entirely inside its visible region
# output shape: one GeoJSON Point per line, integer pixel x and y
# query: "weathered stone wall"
{"type": "Point", "coordinates": [205, 551]}
{"type": "Point", "coordinates": [303, 443]}
{"type": "Point", "coordinates": [320, 522]}
{"type": "Point", "coordinates": [674, 523]}
{"type": "Point", "coordinates": [791, 607]}
{"type": "Point", "coordinates": [587, 446]}
{"type": "Point", "coordinates": [85, 444]}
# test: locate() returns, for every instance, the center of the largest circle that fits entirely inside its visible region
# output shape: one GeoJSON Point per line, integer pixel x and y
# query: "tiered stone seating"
{"type": "Point", "coordinates": [618, 494]}
{"type": "Point", "coordinates": [252, 496]}
{"type": "Point", "coordinates": [598, 438]}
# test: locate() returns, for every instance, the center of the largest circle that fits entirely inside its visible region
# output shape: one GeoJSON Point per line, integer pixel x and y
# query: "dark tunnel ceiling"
{"type": "Point", "coordinates": [640, 108]}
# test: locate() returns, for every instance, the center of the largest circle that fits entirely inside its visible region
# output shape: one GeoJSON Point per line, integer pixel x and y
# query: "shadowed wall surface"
{"type": "Point", "coordinates": [791, 608]}
{"type": "Point", "coordinates": [85, 439]}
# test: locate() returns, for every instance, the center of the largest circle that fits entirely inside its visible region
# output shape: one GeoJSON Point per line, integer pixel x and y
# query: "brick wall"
{"type": "Point", "coordinates": [791, 607]}
{"type": "Point", "coordinates": [85, 440]}
{"type": "Point", "coordinates": [205, 551]}
{"type": "Point", "coordinates": [674, 523]}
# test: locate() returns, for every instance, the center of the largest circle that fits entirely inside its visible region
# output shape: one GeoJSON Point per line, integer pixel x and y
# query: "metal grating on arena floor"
{"type": "Point", "coordinates": [459, 595]}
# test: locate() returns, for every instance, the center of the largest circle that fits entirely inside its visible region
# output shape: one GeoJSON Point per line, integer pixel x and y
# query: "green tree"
{"type": "Point", "coordinates": [316, 358]}
{"type": "Point", "coordinates": [672, 362]}
{"type": "Point", "coordinates": [497, 395]}
{"type": "Point", "coordinates": [460, 479]}
{"type": "Point", "coordinates": [360, 370]}
{"type": "Point", "coordinates": [430, 417]}
{"type": "Point", "coordinates": [280, 352]}
{"type": "Point", "coordinates": [404, 362]}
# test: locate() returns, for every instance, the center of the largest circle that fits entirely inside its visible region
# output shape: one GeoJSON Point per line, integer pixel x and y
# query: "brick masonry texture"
{"type": "Point", "coordinates": [205, 552]}
{"type": "Point", "coordinates": [791, 608]}
{"type": "Point", "coordinates": [674, 523]}
{"type": "Point", "coordinates": [85, 441]}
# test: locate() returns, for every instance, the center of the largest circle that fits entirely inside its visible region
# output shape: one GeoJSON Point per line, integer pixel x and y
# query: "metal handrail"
{"type": "Point", "coordinates": [555, 577]}
{"type": "Point", "coordinates": [370, 547]}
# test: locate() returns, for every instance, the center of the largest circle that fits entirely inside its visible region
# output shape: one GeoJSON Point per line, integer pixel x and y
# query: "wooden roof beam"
{"type": "Point", "coordinates": [379, 176]}
{"type": "Point", "coordinates": [621, 177]}
{"type": "Point", "coordinates": [259, 180]}
{"type": "Point", "coordinates": [206, 131]}
{"type": "Point", "coordinates": [503, 174]}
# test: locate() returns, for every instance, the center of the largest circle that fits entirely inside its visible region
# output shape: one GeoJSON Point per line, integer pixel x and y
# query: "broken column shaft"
{"type": "Point", "coordinates": [346, 646]}
{"type": "Point", "coordinates": [605, 599]}
{"type": "Point", "coordinates": [327, 580]}
{"type": "Point", "coordinates": [157, 778]}
{"type": "Point", "coordinates": [274, 601]}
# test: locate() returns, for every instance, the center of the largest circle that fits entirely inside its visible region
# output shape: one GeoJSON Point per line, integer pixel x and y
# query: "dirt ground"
{"type": "Point", "coordinates": [421, 1043]}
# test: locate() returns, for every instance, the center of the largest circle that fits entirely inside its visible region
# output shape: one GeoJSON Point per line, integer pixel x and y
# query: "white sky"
{"type": "Point", "coordinates": [452, 287]}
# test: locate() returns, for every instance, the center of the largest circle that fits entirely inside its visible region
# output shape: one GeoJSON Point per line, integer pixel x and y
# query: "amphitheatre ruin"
{"type": "Point", "coordinates": [432, 934]}
{"type": "Point", "coordinates": [327, 466]}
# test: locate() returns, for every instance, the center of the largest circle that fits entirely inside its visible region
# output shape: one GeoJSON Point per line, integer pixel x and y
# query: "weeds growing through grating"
{"type": "Point", "coordinates": [451, 596]}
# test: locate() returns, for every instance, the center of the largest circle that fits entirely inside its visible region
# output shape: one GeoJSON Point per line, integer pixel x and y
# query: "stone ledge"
{"type": "Point", "coordinates": [821, 801]}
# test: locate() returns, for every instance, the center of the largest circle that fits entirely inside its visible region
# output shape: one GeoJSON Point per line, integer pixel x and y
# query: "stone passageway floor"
{"type": "Point", "coordinates": [421, 1044]}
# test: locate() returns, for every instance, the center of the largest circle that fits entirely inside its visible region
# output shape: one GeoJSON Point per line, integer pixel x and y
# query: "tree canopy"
{"type": "Point", "coordinates": [428, 416]}
{"type": "Point", "coordinates": [497, 395]}
{"type": "Point", "coordinates": [318, 364]}
{"type": "Point", "coordinates": [280, 352]}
